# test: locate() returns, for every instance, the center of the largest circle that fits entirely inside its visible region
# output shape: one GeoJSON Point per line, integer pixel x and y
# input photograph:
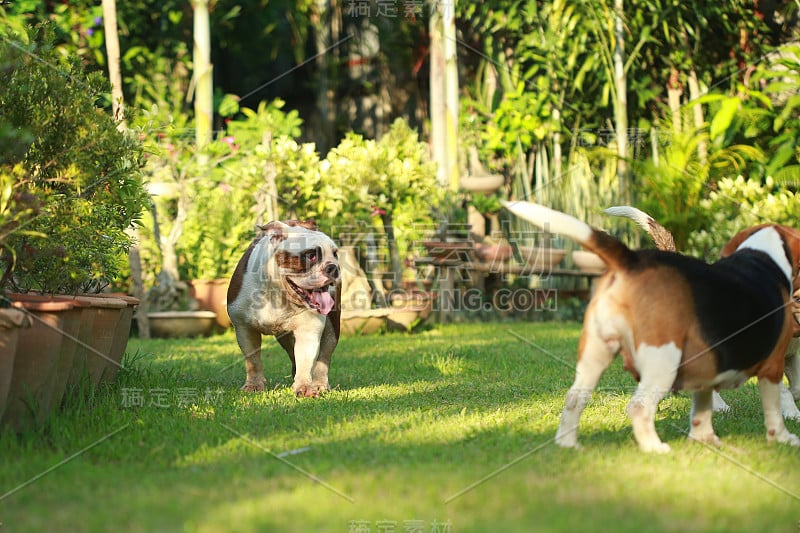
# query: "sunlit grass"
{"type": "Point", "coordinates": [454, 426]}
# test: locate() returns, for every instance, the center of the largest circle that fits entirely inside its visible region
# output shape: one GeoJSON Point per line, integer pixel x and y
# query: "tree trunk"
{"type": "Point", "coordinates": [438, 111]}
{"type": "Point", "coordinates": [112, 50]}
{"type": "Point", "coordinates": [268, 196]}
{"type": "Point", "coordinates": [621, 104]}
{"type": "Point", "coordinates": [320, 15]}
{"type": "Point", "coordinates": [697, 109]}
{"type": "Point", "coordinates": [394, 253]}
{"type": "Point", "coordinates": [203, 80]}
{"type": "Point", "coordinates": [118, 109]}
{"type": "Point", "coordinates": [451, 91]}
{"type": "Point", "coordinates": [674, 93]}
{"type": "Point", "coordinates": [557, 156]}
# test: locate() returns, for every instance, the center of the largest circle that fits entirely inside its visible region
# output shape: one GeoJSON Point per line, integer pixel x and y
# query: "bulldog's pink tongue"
{"type": "Point", "coordinates": [324, 300]}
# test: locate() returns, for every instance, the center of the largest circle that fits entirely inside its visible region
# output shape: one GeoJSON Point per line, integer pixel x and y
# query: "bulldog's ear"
{"type": "Point", "coordinates": [275, 231]}
{"type": "Point", "coordinates": [308, 224]}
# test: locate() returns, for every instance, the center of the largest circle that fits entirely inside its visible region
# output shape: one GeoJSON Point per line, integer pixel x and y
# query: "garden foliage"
{"type": "Point", "coordinates": [75, 179]}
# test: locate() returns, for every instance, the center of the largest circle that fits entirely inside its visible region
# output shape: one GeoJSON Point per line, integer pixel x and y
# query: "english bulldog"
{"type": "Point", "coordinates": [288, 284]}
{"type": "Point", "coordinates": [664, 241]}
{"type": "Point", "coordinates": [681, 324]}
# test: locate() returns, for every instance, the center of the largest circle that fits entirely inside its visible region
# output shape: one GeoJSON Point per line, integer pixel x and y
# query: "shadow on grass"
{"type": "Point", "coordinates": [414, 422]}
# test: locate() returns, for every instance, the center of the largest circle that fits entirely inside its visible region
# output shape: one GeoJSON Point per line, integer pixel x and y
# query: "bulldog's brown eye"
{"type": "Point", "coordinates": [311, 257]}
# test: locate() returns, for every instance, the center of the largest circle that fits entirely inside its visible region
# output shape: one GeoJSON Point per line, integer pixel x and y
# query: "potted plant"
{"type": "Point", "coordinates": [379, 185]}
{"type": "Point", "coordinates": [207, 205]}
{"type": "Point", "coordinates": [76, 189]}
{"type": "Point", "coordinates": [478, 180]}
{"type": "Point", "coordinates": [171, 309]}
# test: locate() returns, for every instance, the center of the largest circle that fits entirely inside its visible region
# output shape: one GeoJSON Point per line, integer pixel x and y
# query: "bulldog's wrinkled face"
{"type": "Point", "coordinates": [306, 264]}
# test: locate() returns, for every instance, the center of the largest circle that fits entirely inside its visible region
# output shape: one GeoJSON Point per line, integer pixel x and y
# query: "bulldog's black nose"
{"type": "Point", "coordinates": [331, 270]}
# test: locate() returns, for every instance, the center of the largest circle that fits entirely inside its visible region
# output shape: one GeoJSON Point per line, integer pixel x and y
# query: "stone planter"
{"type": "Point", "coordinates": [541, 259]}
{"type": "Point", "coordinates": [212, 295]}
{"type": "Point", "coordinates": [181, 324]}
{"type": "Point", "coordinates": [482, 184]}
{"type": "Point", "coordinates": [363, 321]}
{"type": "Point", "coordinates": [408, 312]}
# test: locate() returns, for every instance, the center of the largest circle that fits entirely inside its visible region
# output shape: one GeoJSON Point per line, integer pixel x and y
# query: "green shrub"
{"type": "Point", "coordinates": [737, 204]}
{"type": "Point", "coordinates": [84, 173]}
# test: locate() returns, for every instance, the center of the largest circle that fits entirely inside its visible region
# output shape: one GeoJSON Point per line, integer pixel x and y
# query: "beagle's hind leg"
{"type": "Point", "coordinates": [594, 356]}
{"type": "Point", "coordinates": [657, 366]}
{"type": "Point", "coordinates": [773, 418]}
{"type": "Point", "coordinates": [702, 406]}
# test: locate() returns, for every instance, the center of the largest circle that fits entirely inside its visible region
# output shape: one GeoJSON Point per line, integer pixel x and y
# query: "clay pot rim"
{"type": "Point", "coordinates": [44, 306]}
{"type": "Point", "coordinates": [78, 299]}
{"type": "Point", "coordinates": [130, 300]}
{"type": "Point", "coordinates": [182, 314]}
{"type": "Point", "coordinates": [104, 303]}
{"type": "Point", "coordinates": [13, 317]}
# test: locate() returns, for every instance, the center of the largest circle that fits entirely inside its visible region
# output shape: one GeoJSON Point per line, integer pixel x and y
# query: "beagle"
{"type": "Point", "coordinates": [664, 241]}
{"type": "Point", "coordinates": [681, 324]}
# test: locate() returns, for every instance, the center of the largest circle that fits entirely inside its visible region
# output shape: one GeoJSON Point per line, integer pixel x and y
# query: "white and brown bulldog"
{"type": "Point", "coordinates": [682, 324]}
{"type": "Point", "coordinates": [664, 241]}
{"type": "Point", "coordinates": [288, 284]}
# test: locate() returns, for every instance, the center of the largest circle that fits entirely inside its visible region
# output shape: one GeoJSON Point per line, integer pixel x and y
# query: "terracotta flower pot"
{"type": "Point", "coordinates": [67, 336]}
{"type": "Point", "coordinates": [122, 332]}
{"type": "Point", "coordinates": [45, 353]}
{"type": "Point", "coordinates": [99, 321]}
{"type": "Point", "coordinates": [11, 320]}
{"type": "Point", "coordinates": [493, 253]}
{"type": "Point", "coordinates": [448, 251]}
{"type": "Point", "coordinates": [212, 295]}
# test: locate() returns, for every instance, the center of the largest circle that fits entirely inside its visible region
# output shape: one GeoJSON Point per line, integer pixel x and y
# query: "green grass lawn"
{"type": "Point", "coordinates": [445, 430]}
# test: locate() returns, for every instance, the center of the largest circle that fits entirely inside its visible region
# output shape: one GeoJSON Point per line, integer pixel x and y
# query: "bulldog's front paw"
{"type": "Point", "coordinates": [783, 437]}
{"type": "Point", "coordinates": [307, 390]}
{"type": "Point", "coordinates": [254, 385]}
{"type": "Point", "coordinates": [655, 446]}
{"type": "Point", "coordinates": [707, 438]}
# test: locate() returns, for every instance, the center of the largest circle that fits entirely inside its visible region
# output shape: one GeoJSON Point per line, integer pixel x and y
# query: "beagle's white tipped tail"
{"type": "Point", "coordinates": [610, 249]}
{"type": "Point", "coordinates": [660, 235]}
{"type": "Point", "coordinates": [552, 221]}
{"type": "Point", "coordinates": [637, 215]}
